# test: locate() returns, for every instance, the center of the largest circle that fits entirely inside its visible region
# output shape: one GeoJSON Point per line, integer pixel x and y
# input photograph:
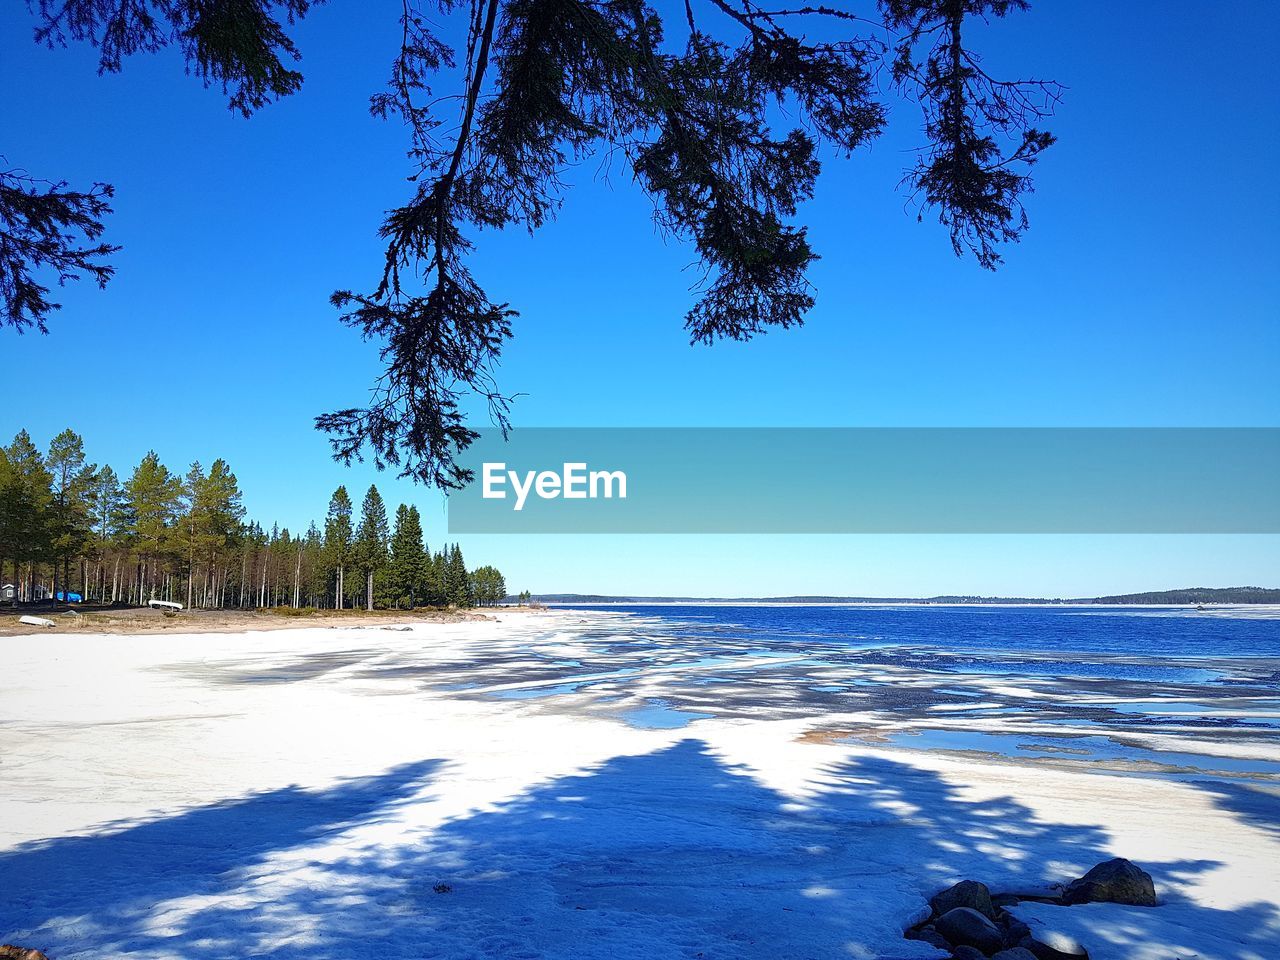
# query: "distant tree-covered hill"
{"type": "Point", "coordinates": [1200, 595]}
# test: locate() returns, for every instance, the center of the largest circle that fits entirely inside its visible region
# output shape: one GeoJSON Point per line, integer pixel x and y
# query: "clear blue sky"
{"type": "Point", "coordinates": [1146, 293]}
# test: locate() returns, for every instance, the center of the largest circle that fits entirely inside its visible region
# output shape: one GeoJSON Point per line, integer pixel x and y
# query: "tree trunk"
{"type": "Point", "coordinates": [369, 590]}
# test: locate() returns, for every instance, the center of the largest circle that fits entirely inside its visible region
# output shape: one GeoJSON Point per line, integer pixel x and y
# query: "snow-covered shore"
{"type": "Point", "coordinates": [585, 785]}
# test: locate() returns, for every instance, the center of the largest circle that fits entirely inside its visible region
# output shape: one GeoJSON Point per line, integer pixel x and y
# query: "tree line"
{"type": "Point", "coordinates": [69, 526]}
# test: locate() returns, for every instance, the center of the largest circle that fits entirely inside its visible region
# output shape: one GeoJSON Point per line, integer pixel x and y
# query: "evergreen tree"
{"type": "Point", "coordinates": [71, 483]}
{"type": "Point", "coordinates": [253, 563]}
{"type": "Point", "coordinates": [337, 540]}
{"type": "Point", "coordinates": [435, 581]}
{"type": "Point", "coordinates": [314, 573]}
{"type": "Point", "coordinates": [211, 523]}
{"type": "Point", "coordinates": [152, 505]}
{"type": "Point", "coordinates": [188, 537]}
{"type": "Point", "coordinates": [408, 559]}
{"type": "Point", "coordinates": [10, 536]}
{"type": "Point", "coordinates": [488, 586]}
{"type": "Point", "coordinates": [107, 521]}
{"type": "Point", "coordinates": [457, 584]}
{"type": "Point", "coordinates": [24, 511]}
{"type": "Point", "coordinates": [222, 503]}
{"type": "Point", "coordinates": [106, 506]}
{"type": "Point", "coordinates": [283, 552]}
{"type": "Point", "coordinates": [372, 541]}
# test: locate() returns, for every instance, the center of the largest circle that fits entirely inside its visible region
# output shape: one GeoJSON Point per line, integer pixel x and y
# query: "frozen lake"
{"type": "Point", "coordinates": [647, 784]}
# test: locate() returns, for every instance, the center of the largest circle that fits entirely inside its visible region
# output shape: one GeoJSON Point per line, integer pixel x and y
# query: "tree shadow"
{"type": "Point", "coordinates": [241, 671]}
{"type": "Point", "coordinates": [672, 854]}
{"type": "Point", "coordinates": [1255, 803]}
{"type": "Point", "coordinates": [681, 850]}
{"type": "Point", "coordinates": [104, 893]}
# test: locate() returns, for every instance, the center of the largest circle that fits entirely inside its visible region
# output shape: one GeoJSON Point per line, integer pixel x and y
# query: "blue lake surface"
{"type": "Point", "coordinates": [1129, 631]}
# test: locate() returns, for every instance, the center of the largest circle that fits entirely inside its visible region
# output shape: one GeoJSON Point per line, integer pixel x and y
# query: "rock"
{"type": "Point", "coordinates": [1054, 946]}
{"type": "Point", "coordinates": [1013, 929]}
{"type": "Point", "coordinates": [1015, 953]}
{"type": "Point", "coordinates": [968, 953]}
{"type": "Point", "coordinates": [1114, 881]}
{"type": "Point", "coordinates": [966, 893]}
{"type": "Point", "coordinates": [9, 952]}
{"type": "Point", "coordinates": [965, 926]}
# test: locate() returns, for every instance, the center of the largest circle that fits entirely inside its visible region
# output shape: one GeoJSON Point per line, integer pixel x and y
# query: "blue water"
{"type": "Point", "coordinates": [658, 714]}
{"type": "Point", "coordinates": [1139, 632]}
{"type": "Point", "coordinates": [1072, 748]}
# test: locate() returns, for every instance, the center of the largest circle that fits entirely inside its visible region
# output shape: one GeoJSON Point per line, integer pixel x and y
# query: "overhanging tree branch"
{"type": "Point", "coordinates": [703, 119]}
{"type": "Point", "coordinates": [48, 229]}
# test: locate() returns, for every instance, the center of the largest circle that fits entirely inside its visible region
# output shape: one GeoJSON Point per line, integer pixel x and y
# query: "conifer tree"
{"type": "Point", "coordinates": [71, 480]}
{"type": "Point", "coordinates": [210, 524]}
{"type": "Point", "coordinates": [487, 586]}
{"type": "Point", "coordinates": [437, 580]}
{"type": "Point", "coordinates": [24, 510]}
{"type": "Point", "coordinates": [337, 540]}
{"type": "Point", "coordinates": [152, 507]}
{"type": "Point", "coordinates": [285, 550]}
{"type": "Point", "coordinates": [186, 536]}
{"type": "Point", "coordinates": [408, 558]}
{"type": "Point", "coordinates": [372, 540]}
{"type": "Point", "coordinates": [107, 520]}
{"type": "Point", "coordinates": [457, 584]}
{"type": "Point", "coordinates": [224, 508]}
{"type": "Point", "coordinates": [9, 514]}
{"type": "Point", "coordinates": [314, 573]}
{"type": "Point", "coordinates": [36, 493]}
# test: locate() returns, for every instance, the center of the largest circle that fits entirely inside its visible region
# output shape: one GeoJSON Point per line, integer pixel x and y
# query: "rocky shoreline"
{"type": "Point", "coordinates": [971, 923]}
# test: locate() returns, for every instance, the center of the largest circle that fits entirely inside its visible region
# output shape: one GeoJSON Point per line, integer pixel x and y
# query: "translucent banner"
{"type": "Point", "coordinates": [872, 480]}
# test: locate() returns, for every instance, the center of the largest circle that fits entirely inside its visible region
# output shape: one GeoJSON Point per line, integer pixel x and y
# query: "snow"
{"type": "Point", "coordinates": [1116, 932]}
{"type": "Point", "coordinates": [304, 793]}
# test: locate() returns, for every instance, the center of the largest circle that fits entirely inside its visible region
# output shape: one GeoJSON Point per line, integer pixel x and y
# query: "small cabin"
{"type": "Point", "coordinates": [9, 593]}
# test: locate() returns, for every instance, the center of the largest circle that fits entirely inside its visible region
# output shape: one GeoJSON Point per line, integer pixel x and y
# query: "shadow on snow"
{"type": "Point", "coordinates": [668, 855]}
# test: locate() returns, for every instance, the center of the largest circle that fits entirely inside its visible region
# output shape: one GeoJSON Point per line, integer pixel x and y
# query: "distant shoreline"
{"type": "Point", "coordinates": [1076, 604]}
{"type": "Point", "coordinates": [1181, 597]}
{"type": "Point", "coordinates": [1261, 611]}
